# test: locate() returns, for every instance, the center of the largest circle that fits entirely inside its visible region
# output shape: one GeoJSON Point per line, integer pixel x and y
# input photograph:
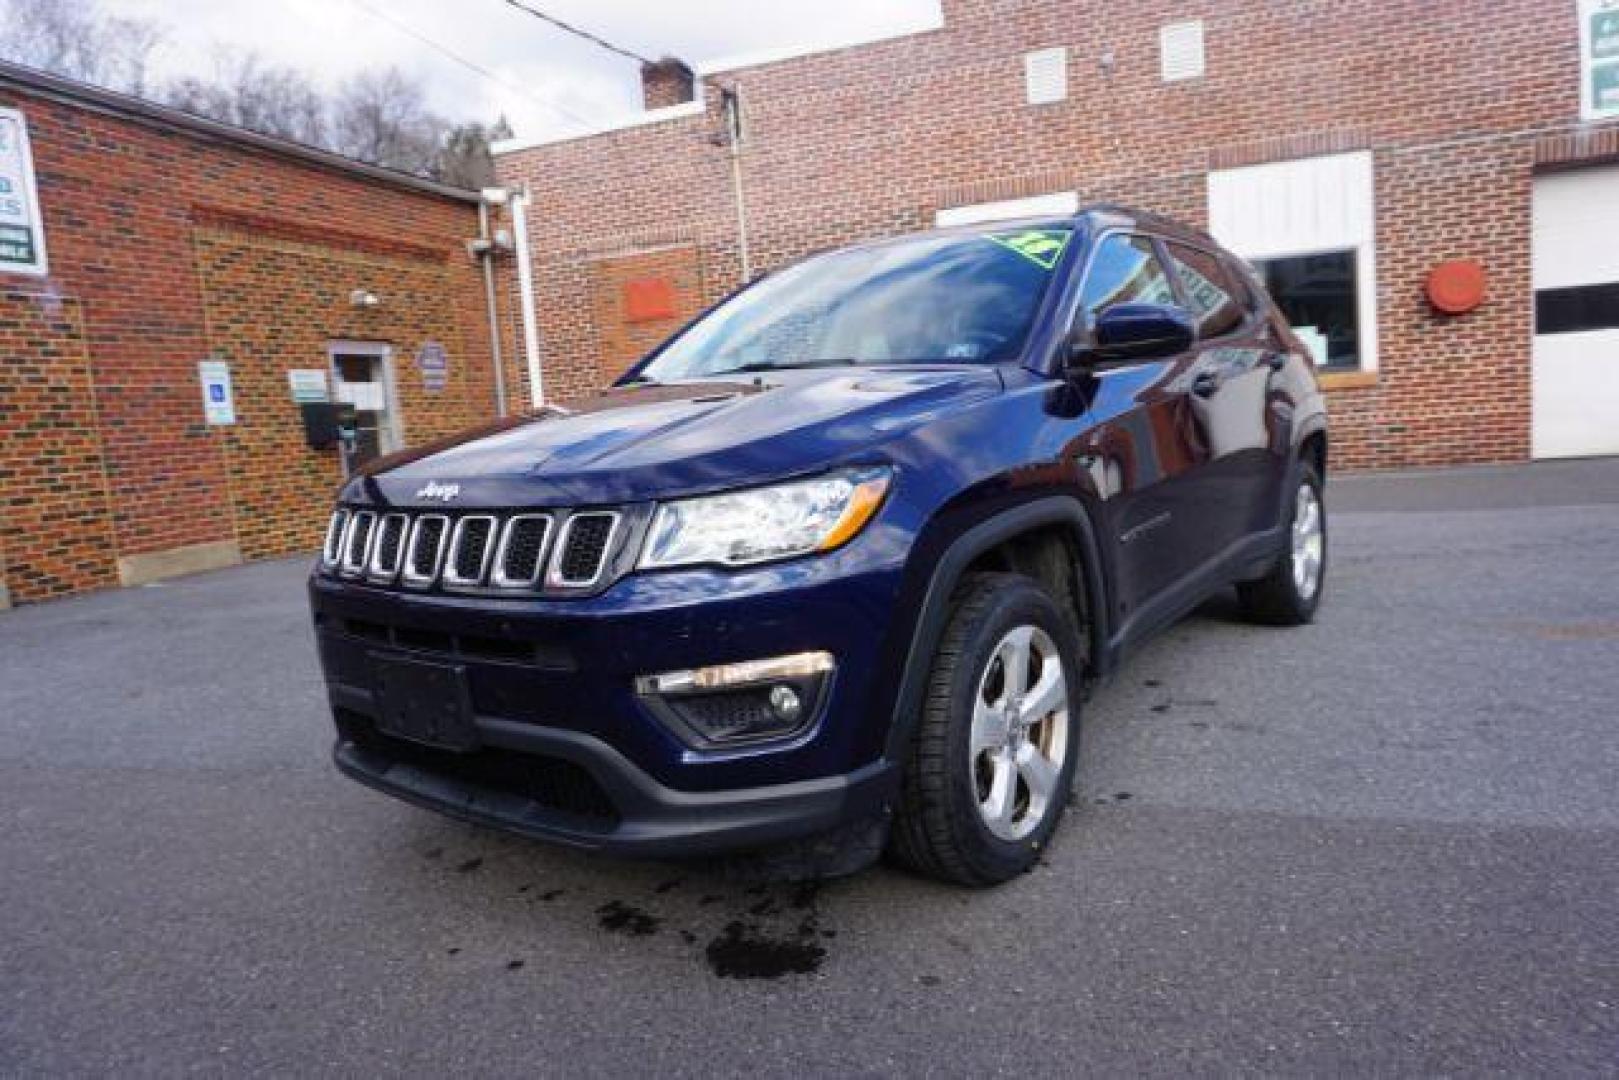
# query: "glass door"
{"type": "Point", "coordinates": [362, 377]}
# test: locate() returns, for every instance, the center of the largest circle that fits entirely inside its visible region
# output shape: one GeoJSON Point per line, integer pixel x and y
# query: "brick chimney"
{"type": "Point", "coordinates": [667, 82]}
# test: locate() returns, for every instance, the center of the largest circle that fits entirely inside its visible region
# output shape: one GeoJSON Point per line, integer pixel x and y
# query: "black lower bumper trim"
{"type": "Point", "coordinates": [652, 821]}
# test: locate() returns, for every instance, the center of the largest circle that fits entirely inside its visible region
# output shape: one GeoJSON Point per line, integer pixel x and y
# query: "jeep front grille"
{"type": "Point", "coordinates": [477, 552]}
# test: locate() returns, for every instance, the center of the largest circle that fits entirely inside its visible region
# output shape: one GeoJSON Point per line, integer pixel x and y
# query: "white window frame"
{"type": "Point", "coordinates": [383, 352]}
{"type": "Point", "coordinates": [1303, 207]}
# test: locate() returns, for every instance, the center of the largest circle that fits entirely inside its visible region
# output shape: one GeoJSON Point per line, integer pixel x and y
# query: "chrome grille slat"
{"type": "Point", "coordinates": [357, 540]}
{"type": "Point", "coordinates": [515, 566]}
{"type": "Point", "coordinates": [425, 551]}
{"type": "Point", "coordinates": [331, 549]}
{"type": "Point", "coordinates": [578, 561]}
{"type": "Point", "coordinates": [471, 545]}
{"type": "Point", "coordinates": [388, 549]}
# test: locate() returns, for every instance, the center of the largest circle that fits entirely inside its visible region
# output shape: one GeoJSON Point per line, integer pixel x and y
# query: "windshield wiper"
{"type": "Point", "coordinates": [748, 369]}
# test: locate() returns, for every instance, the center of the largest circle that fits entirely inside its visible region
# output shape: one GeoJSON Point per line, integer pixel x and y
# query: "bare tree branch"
{"type": "Point", "coordinates": [72, 38]}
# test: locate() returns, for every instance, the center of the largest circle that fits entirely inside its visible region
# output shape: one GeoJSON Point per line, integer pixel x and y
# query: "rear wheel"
{"type": "Point", "coordinates": [1290, 593]}
{"type": "Point", "coordinates": [990, 770]}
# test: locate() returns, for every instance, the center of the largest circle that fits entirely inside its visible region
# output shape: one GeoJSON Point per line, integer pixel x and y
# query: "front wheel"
{"type": "Point", "coordinates": [1290, 593]}
{"type": "Point", "coordinates": [990, 770]}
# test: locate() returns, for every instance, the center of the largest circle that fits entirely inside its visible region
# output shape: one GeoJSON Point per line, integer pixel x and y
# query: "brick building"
{"type": "Point", "coordinates": [1348, 148]}
{"type": "Point", "coordinates": [137, 243]}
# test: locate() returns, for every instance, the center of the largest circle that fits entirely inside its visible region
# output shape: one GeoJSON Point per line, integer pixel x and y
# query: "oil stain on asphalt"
{"type": "Point", "coordinates": [765, 931]}
{"type": "Point", "coordinates": [776, 933]}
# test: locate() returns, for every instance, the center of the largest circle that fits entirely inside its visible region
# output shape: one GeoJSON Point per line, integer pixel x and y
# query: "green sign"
{"type": "Point", "coordinates": [1605, 87]}
{"type": "Point", "coordinates": [16, 245]}
{"type": "Point", "coordinates": [1599, 59]}
{"type": "Point", "coordinates": [1605, 35]}
{"type": "Point", "coordinates": [1043, 247]}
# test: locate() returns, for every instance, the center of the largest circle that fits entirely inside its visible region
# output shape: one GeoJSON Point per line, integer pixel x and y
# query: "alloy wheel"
{"type": "Point", "coordinates": [1309, 542]}
{"type": "Point", "coordinates": [1019, 733]}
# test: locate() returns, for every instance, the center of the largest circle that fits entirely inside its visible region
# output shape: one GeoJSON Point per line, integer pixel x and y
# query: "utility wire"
{"type": "Point", "coordinates": [559, 110]}
{"type": "Point", "coordinates": [569, 28]}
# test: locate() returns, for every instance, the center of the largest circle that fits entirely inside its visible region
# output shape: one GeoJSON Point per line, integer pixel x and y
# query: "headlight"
{"type": "Point", "coordinates": [765, 523]}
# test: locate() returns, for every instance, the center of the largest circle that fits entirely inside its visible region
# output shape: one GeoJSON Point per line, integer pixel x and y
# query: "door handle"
{"type": "Point", "coordinates": [1205, 384]}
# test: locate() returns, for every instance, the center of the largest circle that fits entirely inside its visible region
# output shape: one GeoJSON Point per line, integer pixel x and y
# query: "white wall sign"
{"type": "Point", "coordinates": [308, 385]}
{"type": "Point", "coordinates": [369, 396]}
{"type": "Point", "coordinates": [1599, 58]}
{"type": "Point", "coordinates": [22, 232]}
{"type": "Point", "coordinates": [218, 406]}
{"type": "Point", "coordinates": [1057, 204]}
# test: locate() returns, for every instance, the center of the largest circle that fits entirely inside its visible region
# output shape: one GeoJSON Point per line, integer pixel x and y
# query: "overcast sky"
{"type": "Point", "coordinates": [545, 81]}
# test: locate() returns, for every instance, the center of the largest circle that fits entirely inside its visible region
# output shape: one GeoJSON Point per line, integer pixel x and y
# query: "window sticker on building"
{"type": "Point", "coordinates": [1599, 58]}
{"type": "Point", "coordinates": [1043, 247]}
{"type": "Point", "coordinates": [22, 240]}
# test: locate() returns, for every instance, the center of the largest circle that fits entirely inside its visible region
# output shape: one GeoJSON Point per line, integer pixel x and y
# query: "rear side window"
{"type": "Point", "coordinates": [1124, 270]}
{"type": "Point", "coordinates": [1215, 301]}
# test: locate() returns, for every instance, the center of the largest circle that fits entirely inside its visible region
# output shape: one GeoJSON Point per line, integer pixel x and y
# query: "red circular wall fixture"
{"type": "Point", "coordinates": [1456, 287]}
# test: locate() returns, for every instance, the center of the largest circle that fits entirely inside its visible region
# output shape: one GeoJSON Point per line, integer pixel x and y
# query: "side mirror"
{"type": "Point", "coordinates": [1126, 333]}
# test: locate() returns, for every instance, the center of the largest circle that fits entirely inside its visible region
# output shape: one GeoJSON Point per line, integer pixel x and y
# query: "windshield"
{"type": "Point", "coordinates": [955, 298]}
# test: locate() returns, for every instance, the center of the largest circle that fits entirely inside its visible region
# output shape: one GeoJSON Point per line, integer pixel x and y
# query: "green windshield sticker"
{"type": "Point", "coordinates": [1043, 247]}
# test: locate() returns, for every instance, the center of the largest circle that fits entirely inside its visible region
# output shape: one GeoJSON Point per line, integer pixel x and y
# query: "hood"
{"type": "Point", "coordinates": [636, 443]}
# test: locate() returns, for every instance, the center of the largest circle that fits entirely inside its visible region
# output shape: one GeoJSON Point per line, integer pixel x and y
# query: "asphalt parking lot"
{"type": "Point", "coordinates": [1385, 843]}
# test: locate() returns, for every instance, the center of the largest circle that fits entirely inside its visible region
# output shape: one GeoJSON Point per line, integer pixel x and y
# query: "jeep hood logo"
{"type": "Point", "coordinates": [442, 492]}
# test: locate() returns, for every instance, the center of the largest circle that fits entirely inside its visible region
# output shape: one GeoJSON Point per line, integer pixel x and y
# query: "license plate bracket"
{"type": "Point", "coordinates": [424, 702]}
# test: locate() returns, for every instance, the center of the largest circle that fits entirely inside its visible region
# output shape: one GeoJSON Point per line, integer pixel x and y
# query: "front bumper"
{"type": "Point", "coordinates": [637, 817]}
{"type": "Point", "coordinates": [570, 752]}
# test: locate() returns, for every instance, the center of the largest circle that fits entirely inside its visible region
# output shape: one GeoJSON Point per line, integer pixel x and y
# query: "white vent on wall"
{"type": "Point", "coordinates": [1180, 50]}
{"type": "Point", "coordinates": [1045, 76]}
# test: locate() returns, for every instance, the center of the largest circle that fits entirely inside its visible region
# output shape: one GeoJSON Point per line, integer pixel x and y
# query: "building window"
{"type": "Point", "coordinates": [1320, 297]}
{"type": "Point", "coordinates": [1309, 227]}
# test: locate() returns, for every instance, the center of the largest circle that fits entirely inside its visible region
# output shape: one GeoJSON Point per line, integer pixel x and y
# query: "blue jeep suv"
{"type": "Point", "coordinates": [833, 569]}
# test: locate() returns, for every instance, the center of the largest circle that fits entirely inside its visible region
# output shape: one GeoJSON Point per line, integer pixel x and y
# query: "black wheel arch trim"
{"type": "Point", "coordinates": [1063, 510]}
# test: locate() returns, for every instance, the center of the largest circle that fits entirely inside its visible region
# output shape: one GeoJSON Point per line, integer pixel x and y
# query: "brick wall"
{"type": "Point", "coordinates": [265, 296]}
{"type": "Point", "coordinates": [1454, 102]}
{"type": "Point", "coordinates": [55, 516]}
{"type": "Point", "coordinates": [168, 247]}
{"type": "Point", "coordinates": [625, 335]}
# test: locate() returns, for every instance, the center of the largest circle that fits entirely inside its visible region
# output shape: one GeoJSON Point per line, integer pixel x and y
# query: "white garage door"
{"type": "Point", "coordinates": [1576, 279]}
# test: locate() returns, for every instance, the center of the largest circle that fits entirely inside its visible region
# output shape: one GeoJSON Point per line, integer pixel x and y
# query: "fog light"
{"type": "Point", "coordinates": [732, 704]}
{"type": "Point", "coordinates": [785, 703]}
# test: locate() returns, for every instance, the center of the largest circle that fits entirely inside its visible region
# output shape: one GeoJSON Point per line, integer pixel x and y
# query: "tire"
{"type": "Point", "coordinates": [1290, 593]}
{"type": "Point", "coordinates": [981, 816]}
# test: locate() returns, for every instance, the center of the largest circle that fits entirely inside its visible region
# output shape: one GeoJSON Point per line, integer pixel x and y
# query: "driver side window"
{"type": "Point", "coordinates": [1124, 270]}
